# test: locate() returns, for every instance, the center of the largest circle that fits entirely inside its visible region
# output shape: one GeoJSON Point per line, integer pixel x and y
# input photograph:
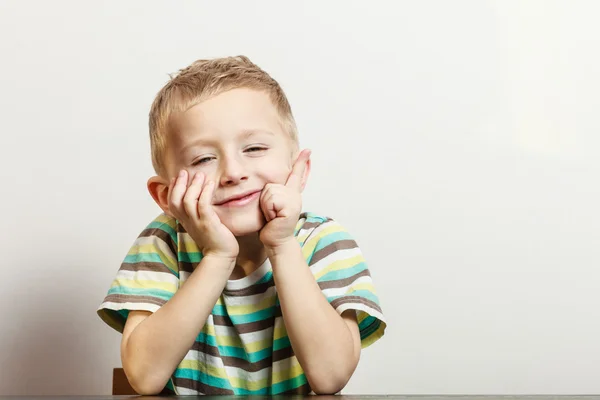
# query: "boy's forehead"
{"type": "Point", "coordinates": [235, 112]}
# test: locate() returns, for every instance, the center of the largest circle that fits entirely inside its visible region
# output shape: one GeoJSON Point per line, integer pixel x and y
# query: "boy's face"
{"type": "Point", "coordinates": [237, 140]}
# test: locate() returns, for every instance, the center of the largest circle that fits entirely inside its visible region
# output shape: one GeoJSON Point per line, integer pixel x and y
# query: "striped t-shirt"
{"type": "Point", "coordinates": [243, 348]}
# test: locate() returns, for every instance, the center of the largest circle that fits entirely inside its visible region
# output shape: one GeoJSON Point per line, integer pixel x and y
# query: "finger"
{"type": "Point", "coordinates": [178, 190]}
{"type": "Point", "coordinates": [294, 180]}
{"type": "Point", "coordinates": [264, 195]}
{"type": "Point", "coordinates": [268, 207]}
{"type": "Point", "coordinates": [190, 200]}
{"type": "Point", "coordinates": [205, 203]}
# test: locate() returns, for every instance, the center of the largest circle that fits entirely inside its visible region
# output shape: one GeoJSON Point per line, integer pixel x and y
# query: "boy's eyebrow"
{"type": "Point", "coordinates": [245, 134]}
{"type": "Point", "coordinates": [249, 132]}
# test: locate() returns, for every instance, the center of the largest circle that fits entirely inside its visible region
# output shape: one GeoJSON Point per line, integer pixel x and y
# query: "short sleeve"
{"type": "Point", "coordinates": [340, 269]}
{"type": "Point", "coordinates": [148, 276]}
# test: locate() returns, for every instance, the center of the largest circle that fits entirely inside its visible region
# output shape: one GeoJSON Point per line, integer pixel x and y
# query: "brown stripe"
{"type": "Point", "coordinates": [333, 247]}
{"type": "Point", "coordinates": [250, 291]}
{"type": "Point", "coordinates": [200, 387]}
{"type": "Point", "coordinates": [355, 299]}
{"type": "Point", "coordinates": [234, 361]}
{"type": "Point", "coordinates": [256, 326]}
{"type": "Point", "coordinates": [343, 282]}
{"type": "Point", "coordinates": [282, 354]}
{"type": "Point", "coordinates": [128, 298]}
{"type": "Point", "coordinates": [161, 234]}
{"type": "Point", "coordinates": [187, 266]}
{"type": "Point", "coordinates": [146, 266]}
{"type": "Point", "coordinates": [310, 225]}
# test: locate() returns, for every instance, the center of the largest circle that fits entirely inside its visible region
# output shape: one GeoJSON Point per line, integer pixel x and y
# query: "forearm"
{"type": "Point", "coordinates": [158, 344]}
{"type": "Point", "coordinates": [321, 339]}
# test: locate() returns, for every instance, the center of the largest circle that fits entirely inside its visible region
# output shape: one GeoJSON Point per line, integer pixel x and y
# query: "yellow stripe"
{"type": "Point", "coordinates": [284, 375]}
{"type": "Point", "coordinates": [309, 246]}
{"type": "Point", "coordinates": [167, 220]}
{"type": "Point", "coordinates": [240, 383]}
{"type": "Point", "coordinates": [340, 264]}
{"type": "Point", "coordinates": [267, 302]}
{"type": "Point", "coordinates": [279, 332]}
{"type": "Point", "coordinates": [145, 284]}
{"type": "Point", "coordinates": [168, 259]}
{"type": "Point", "coordinates": [361, 286]}
{"type": "Point", "coordinates": [188, 244]}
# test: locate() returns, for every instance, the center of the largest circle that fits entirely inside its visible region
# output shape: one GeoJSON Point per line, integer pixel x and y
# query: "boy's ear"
{"type": "Point", "coordinates": [305, 174]}
{"type": "Point", "coordinates": [159, 190]}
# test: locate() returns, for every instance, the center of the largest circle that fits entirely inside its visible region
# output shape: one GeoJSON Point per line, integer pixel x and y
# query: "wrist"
{"type": "Point", "coordinates": [286, 246]}
{"type": "Point", "coordinates": [222, 263]}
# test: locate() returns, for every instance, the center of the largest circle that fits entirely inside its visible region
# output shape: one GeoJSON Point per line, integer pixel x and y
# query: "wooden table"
{"type": "Point", "coordinates": [338, 397]}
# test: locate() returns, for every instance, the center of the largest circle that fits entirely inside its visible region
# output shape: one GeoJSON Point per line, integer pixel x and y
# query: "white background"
{"type": "Point", "coordinates": [457, 141]}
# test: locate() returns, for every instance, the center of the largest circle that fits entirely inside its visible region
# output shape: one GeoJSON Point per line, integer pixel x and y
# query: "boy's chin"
{"type": "Point", "coordinates": [244, 225]}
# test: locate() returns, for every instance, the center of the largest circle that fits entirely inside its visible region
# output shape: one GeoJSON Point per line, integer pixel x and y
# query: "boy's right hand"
{"type": "Point", "coordinates": [192, 207]}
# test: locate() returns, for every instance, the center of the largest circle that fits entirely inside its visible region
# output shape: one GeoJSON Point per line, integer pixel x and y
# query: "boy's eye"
{"type": "Point", "coordinates": [254, 149]}
{"type": "Point", "coordinates": [203, 160]}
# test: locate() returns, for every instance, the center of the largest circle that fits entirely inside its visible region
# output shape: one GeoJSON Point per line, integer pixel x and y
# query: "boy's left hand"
{"type": "Point", "coordinates": [282, 205]}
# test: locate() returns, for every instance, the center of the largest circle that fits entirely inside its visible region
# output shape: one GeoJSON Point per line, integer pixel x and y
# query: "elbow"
{"type": "Point", "coordinates": [328, 385]}
{"type": "Point", "coordinates": [146, 385]}
{"type": "Point", "coordinates": [144, 381]}
{"type": "Point", "coordinates": [330, 382]}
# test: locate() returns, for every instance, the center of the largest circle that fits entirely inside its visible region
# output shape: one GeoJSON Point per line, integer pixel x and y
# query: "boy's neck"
{"type": "Point", "coordinates": [251, 256]}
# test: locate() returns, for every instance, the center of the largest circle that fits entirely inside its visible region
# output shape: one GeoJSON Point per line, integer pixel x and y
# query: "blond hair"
{"type": "Point", "coordinates": [206, 78]}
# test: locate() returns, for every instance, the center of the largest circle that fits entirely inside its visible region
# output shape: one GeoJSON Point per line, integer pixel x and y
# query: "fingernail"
{"type": "Point", "coordinates": [181, 173]}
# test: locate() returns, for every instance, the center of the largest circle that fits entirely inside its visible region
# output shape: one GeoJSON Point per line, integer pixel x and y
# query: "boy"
{"type": "Point", "coordinates": [232, 290]}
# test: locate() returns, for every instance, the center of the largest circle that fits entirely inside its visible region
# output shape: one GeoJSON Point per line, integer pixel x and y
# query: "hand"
{"type": "Point", "coordinates": [192, 206]}
{"type": "Point", "coordinates": [282, 204]}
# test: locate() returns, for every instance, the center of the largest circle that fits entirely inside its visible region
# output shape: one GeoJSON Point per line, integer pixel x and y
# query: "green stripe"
{"type": "Point", "coordinates": [367, 294]}
{"type": "Point", "coordinates": [343, 273]}
{"type": "Point", "coordinates": [168, 229]}
{"type": "Point", "coordinates": [236, 352]}
{"type": "Point", "coordinates": [332, 238]}
{"type": "Point", "coordinates": [193, 374]}
{"type": "Point", "coordinates": [190, 257]}
{"type": "Point", "coordinates": [244, 318]}
{"type": "Point", "coordinates": [146, 257]}
{"type": "Point", "coordinates": [288, 384]}
{"type": "Point", "coordinates": [124, 290]}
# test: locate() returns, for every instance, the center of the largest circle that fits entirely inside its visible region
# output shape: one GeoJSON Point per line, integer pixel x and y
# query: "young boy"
{"type": "Point", "coordinates": [232, 289]}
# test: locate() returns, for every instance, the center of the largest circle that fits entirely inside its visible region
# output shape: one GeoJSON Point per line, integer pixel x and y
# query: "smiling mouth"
{"type": "Point", "coordinates": [242, 201]}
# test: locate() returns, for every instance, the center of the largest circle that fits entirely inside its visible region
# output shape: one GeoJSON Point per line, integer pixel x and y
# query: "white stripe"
{"type": "Point", "coordinates": [249, 300]}
{"type": "Point", "coordinates": [246, 338]}
{"type": "Point", "coordinates": [316, 231]}
{"type": "Point", "coordinates": [184, 391]}
{"type": "Point", "coordinates": [156, 242]}
{"type": "Point", "coordinates": [360, 307]}
{"type": "Point", "coordinates": [155, 276]}
{"type": "Point", "coordinates": [342, 254]}
{"type": "Point", "coordinates": [234, 372]}
{"type": "Point", "coordinates": [129, 306]}
{"type": "Point", "coordinates": [342, 290]}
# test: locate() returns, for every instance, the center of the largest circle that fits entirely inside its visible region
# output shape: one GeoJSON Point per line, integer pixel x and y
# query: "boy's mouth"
{"type": "Point", "coordinates": [240, 199]}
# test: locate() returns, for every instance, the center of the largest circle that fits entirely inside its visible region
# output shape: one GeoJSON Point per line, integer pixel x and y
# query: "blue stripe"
{"type": "Point", "coordinates": [190, 257]}
{"type": "Point", "coordinates": [158, 293]}
{"type": "Point", "coordinates": [231, 351]}
{"type": "Point", "coordinates": [281, 343]}
{"type": "Point", "coordinates": [360, 293]}
{"type": "Point", "coordinates": [144, 257]}
{"type": "Point", "coordinates": [343, 273]}
{"type": "Point", "coordinates": [168, 229]}
{"type": "Point", "coordinates": [244, 318]}
{"type": "Point", "coordinates": [332, 238]}
{"type": "Point", "coordinates": [288, 384]}
{"type": "Point", "coordinates": [187, 373]}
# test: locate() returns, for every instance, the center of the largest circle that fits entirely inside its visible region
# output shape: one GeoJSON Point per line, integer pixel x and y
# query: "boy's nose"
{"type": "Point", "coordinates": [233, 172]}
